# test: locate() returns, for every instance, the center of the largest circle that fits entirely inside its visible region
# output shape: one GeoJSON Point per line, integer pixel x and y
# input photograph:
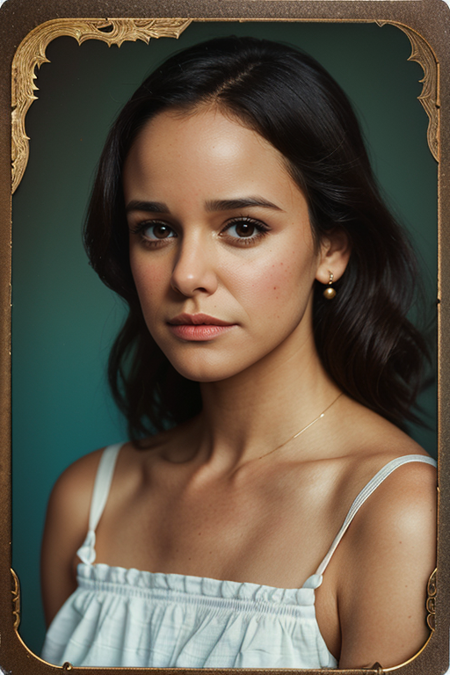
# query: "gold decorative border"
{"type": "Point", "coordinates": [16, 599]}
{"type": "Point", "coordinates": [429, 96]}
{"type": "Point", "coordinates": [31, 54]}
{"type": "Point", "coordinates": [428, 19]}
{"type": "Point", "coordinates": [431, 601]}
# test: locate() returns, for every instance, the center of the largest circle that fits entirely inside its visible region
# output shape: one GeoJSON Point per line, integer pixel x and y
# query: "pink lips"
{"type": "Point", "coordinates": [198, 327]}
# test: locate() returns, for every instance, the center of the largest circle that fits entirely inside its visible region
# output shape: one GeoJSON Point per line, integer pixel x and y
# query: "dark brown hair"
{"type": "Point", "coordinates": [363, 336]}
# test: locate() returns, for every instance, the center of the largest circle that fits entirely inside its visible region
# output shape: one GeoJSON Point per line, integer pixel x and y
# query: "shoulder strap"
{"type": "Point", "coordinates": [102, 485]}
{"type": "Point", "coordinates": [365, 494]}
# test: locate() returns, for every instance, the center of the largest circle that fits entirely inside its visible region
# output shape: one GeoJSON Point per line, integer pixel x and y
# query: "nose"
{"type": "Point", "coordinates": [194, 271]}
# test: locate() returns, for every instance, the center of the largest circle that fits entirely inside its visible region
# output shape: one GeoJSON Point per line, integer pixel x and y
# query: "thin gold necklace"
{"type": "Point", "coordinates": [299, 433]}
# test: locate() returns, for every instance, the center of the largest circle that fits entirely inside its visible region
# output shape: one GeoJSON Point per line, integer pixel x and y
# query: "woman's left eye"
{"type": "Point", "coordinates": [245, 230]}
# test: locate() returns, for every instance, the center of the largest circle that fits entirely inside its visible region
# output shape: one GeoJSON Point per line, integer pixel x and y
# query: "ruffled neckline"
{"type": "Point", "coordinates": [204, 587]}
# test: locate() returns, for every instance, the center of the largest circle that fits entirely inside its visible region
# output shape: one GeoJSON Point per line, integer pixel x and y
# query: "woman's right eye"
{"type": "Point", "coordinates": [154, 231]}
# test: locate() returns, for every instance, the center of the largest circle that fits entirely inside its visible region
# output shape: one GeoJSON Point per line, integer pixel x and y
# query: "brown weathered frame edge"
{"type": "Point", "coordinates": [431, 20]}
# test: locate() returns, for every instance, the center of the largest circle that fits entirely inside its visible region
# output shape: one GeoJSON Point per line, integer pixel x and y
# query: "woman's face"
{"type": "Point", "coordinates": [221, 248]}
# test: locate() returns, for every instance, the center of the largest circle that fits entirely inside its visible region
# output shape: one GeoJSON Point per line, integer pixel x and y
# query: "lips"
{"type": "Point", "coordinates": [198, 327]}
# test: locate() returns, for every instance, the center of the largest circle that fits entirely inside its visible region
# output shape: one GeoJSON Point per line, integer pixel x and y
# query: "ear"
{"type": "Point", "coordinates": [334, 255]}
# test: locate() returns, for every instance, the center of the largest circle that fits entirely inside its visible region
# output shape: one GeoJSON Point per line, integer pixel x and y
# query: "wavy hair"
{"type": "Point", "coordinates": [364, 338]}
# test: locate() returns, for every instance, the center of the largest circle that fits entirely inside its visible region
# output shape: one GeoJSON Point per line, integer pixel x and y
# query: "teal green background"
{"type": "Point", "coordinates": [64, 320]}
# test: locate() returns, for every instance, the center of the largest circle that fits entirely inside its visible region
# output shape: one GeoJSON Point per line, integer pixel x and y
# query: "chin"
{"type": "Point", "coordinates": [202, 371]}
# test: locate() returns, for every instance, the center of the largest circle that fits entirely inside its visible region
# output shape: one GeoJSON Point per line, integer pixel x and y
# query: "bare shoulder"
{"type": "Point", "coordinates": [72, 491]}
{"type": "Point", "coordinates": [65, 528]}
{"type": "Point", "coordinates": [389, 552]}
{"type": "Point", "coordinates": [401, 510]}
{"type": "Point", "coordinates": [403, 504]}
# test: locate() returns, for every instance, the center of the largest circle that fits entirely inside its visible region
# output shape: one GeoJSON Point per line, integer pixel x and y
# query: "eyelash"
{"type": "Point", "coordinates": [140, 229]}
{"type": "Point", "coordinates": [261, 230]}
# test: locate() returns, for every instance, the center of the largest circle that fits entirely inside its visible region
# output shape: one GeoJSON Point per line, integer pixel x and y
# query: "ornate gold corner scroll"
{"type": "Point", "coordinates": [31, 54]}
{"type": "Point", "coordinates": [431, 600]}
{"type": "Point", "coordinates": [422, 53]}
{"type": "Point", "coordinates": [16, 599]}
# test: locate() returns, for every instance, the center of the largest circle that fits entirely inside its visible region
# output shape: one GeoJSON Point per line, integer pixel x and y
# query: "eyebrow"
{"type": "Point", "coordinates": [210, 205]}
{"type": "Point", "coordinates": [239, 203]}
{"type": "Point", "coordinates": [149, 207]}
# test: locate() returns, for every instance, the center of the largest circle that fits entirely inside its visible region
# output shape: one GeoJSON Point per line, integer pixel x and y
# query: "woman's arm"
{"type": "Point", "coordinates": [65, 529]}
{"type": "Point", "coordinates": [389, 555]}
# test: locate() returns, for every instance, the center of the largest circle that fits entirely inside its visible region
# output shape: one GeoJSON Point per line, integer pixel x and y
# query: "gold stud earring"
{"type": "Point", "coordinates": [330, 292]}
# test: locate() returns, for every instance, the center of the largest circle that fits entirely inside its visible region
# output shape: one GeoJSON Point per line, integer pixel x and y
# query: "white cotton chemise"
{"type": "Point", "coordinates": [126, 617]}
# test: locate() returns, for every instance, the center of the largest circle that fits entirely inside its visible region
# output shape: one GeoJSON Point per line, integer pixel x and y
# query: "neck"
{"type": "Point", "coordinates": [249, 415]}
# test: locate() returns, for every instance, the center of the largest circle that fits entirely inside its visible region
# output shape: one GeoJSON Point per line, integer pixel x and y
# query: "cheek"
{"type": "Point", "coordinates": [282, 285]}
{"type": "Point", "coordinates": [151, 281]}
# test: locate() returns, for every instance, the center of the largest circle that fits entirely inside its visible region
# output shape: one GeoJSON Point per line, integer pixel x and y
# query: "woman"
{"type": "Point", "coordinates": [267, 343]}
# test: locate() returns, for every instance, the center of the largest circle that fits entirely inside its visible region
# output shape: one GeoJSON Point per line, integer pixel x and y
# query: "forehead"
{"type": "Point", "coordinates": [205, 148]}
{"type": "Point", "coordinates": [204, 131]}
